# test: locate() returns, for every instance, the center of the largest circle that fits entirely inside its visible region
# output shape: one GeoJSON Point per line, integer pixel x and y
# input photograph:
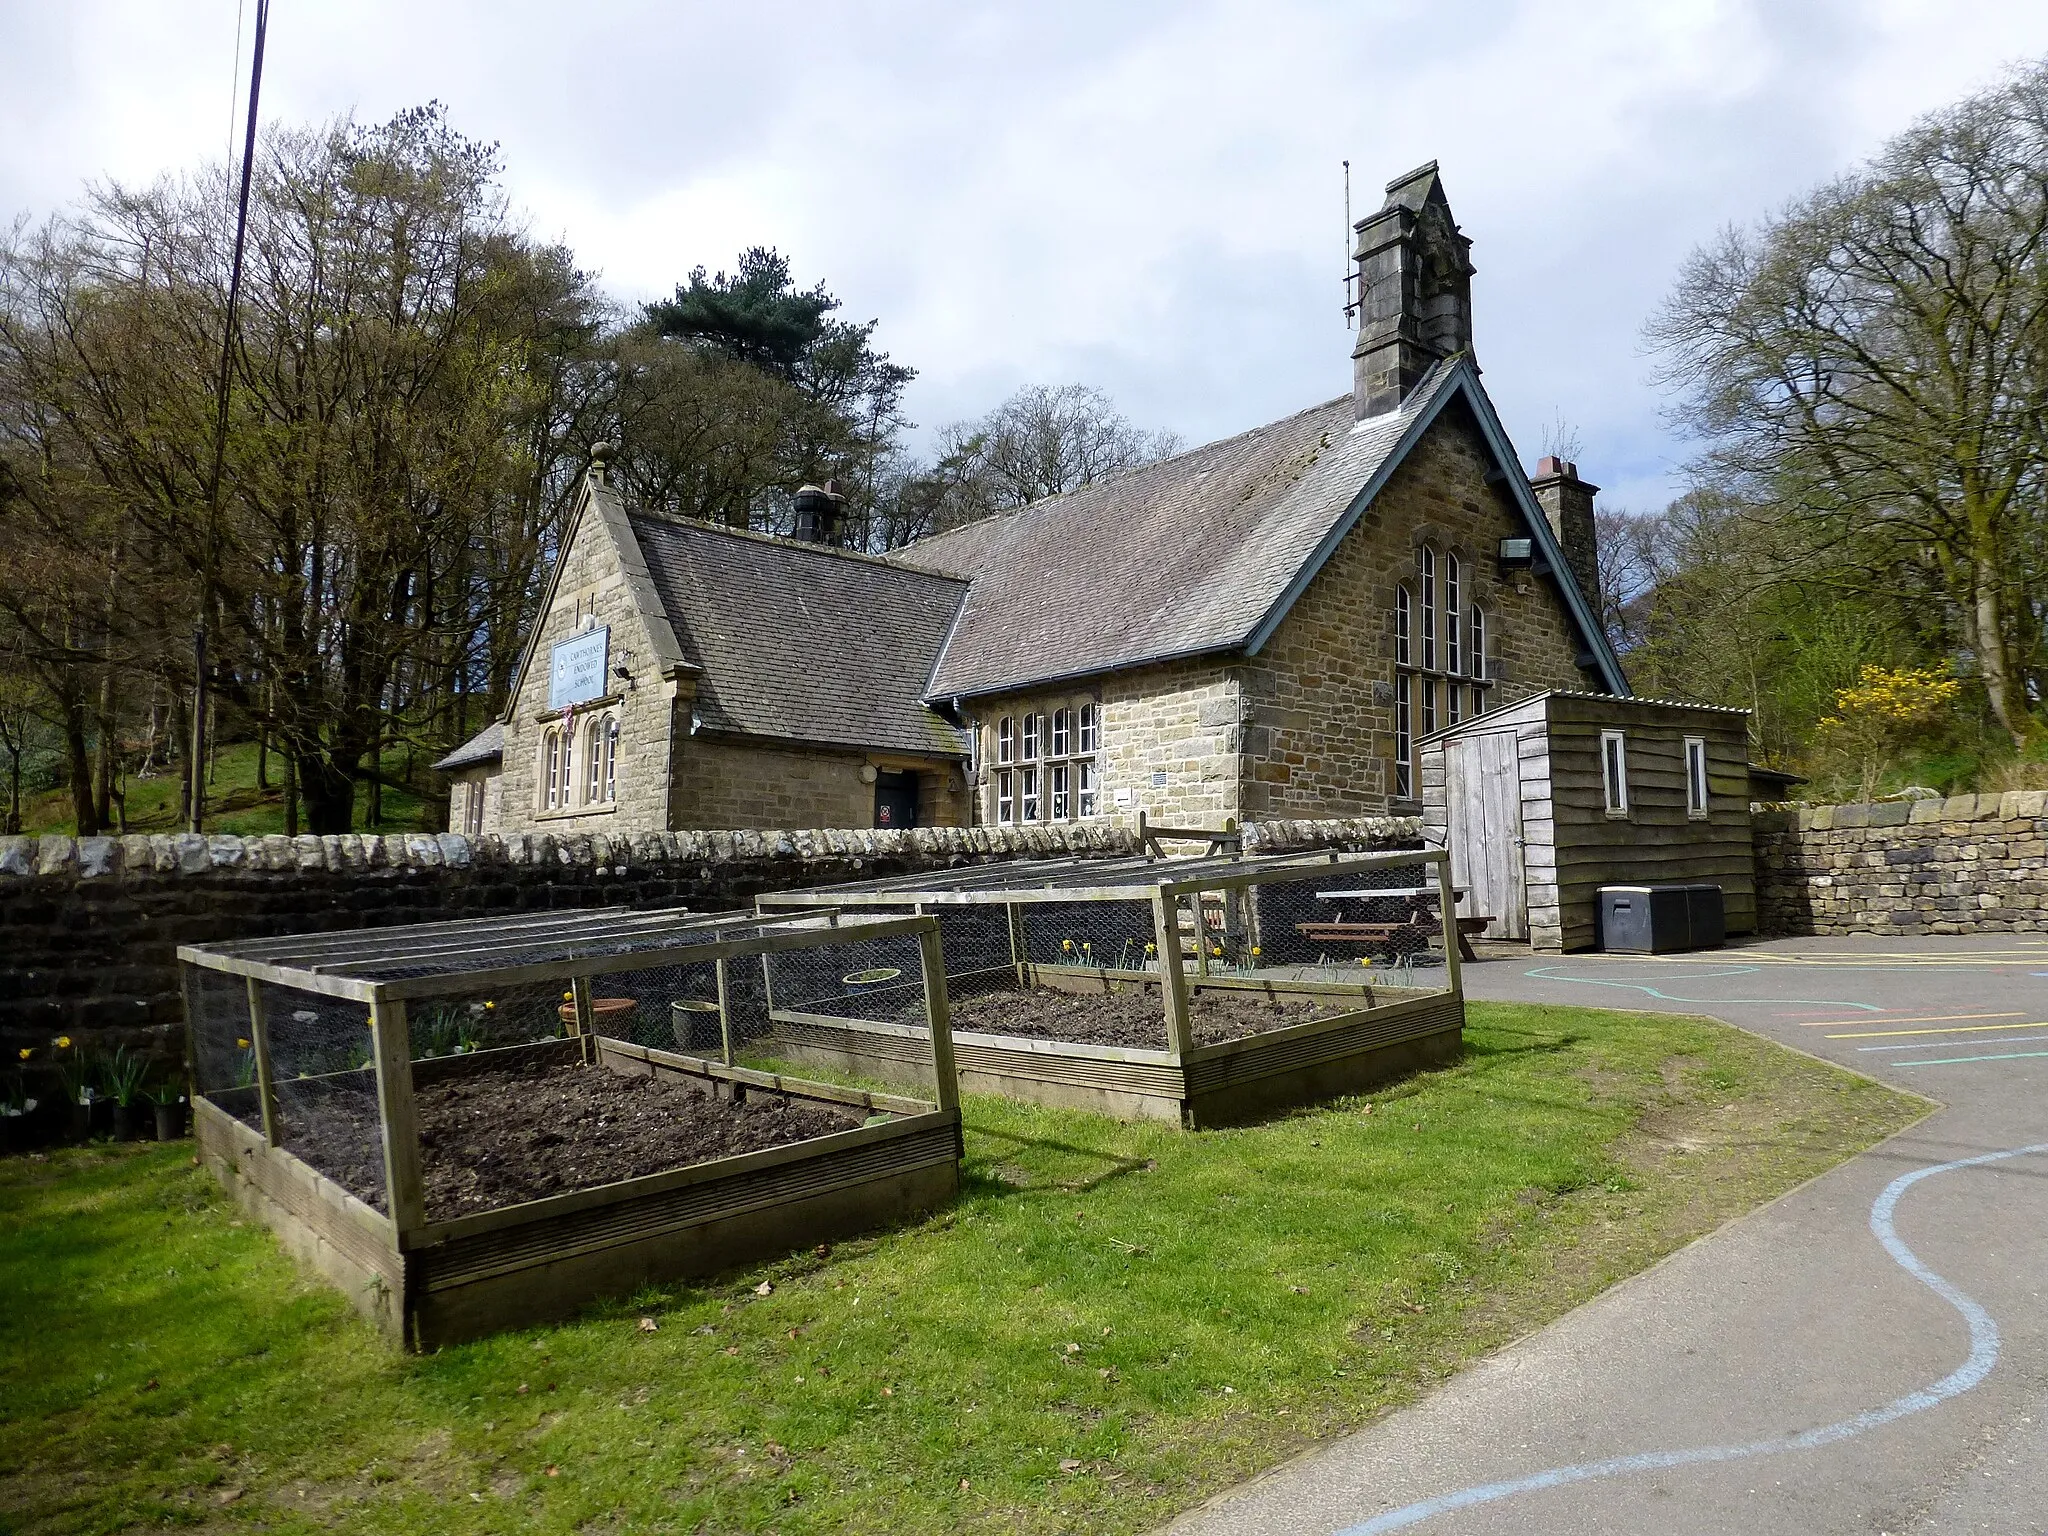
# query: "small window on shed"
{"type": "Point", "coordinates": [1614, 771]}
{"type": "Point", "coordinates": [1696, 776]}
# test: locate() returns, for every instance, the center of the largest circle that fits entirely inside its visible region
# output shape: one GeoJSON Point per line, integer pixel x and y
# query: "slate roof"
{"type": "Point", "coordinates": [1184, 556]}
{"type": "Point", "coordinates": [486, 746]}
{"type": "Point", "coordinates": [801, 642]}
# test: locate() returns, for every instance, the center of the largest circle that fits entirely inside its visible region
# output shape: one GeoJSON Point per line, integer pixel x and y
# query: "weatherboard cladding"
{"type": "Point", "coordinates": [1185, 556]}
{"type": "Point", "coordinates": [800, 642]}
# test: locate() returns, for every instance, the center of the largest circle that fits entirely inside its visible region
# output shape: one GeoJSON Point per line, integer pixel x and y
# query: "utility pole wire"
{"type": "Point", "coordinates": [220, 428]}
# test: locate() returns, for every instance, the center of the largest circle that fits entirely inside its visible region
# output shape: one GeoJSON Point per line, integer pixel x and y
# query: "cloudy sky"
{"type": "Point", "coordinates": [1141, 196]}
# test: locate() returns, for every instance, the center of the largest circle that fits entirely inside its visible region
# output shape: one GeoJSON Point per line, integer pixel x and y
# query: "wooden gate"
{"type": "Point", "coordinates": [1483, 800]}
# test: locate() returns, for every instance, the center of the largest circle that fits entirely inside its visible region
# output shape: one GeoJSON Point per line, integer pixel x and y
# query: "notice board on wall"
{"type": "Point", "coordinates": [576, 668]}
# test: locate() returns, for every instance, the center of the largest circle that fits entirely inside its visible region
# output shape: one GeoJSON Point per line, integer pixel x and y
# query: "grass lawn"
{"type": "Point", "coordinates": [1114, 1322]}
{"type": "Point", "coordinates": [233, 802]}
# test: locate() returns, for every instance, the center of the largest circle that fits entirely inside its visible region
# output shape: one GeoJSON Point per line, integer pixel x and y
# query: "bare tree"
{"type": "Point", "coordinates": [1870, 370]}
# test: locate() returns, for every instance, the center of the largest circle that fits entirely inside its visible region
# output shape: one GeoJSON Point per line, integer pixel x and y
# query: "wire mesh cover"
{"type": "Point", "coordinates": [223, 1056]}
{"type": "Point", "coordinates": [324, 1083]}
{"type": "Point", "coordinates": [1386, 916]}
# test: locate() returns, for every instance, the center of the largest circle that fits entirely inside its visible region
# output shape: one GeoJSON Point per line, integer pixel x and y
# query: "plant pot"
{"type": "Point", "coordinates": [78, 1122]}
{"type": "Point", "coordinates": [100, 1120]}
{"type": "Point", "coordinates": [170, 1121]}
{"type": "Point", "coordinates": [18, 1130]}
{"type": "Point", "coordinates": [129, 1120]}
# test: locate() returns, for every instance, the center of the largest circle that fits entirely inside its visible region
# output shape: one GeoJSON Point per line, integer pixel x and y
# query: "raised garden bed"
{"type": "Point", "coordinates": [1147, 988]}
{"type": "Point", "coordinates": [498, 1167]}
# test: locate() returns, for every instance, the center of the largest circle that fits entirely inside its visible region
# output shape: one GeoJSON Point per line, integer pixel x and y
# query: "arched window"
{"type": "Point", "coordinates": [1031, 727]}
{"type": "Point", "coordinates": [1478, 658]}
{"type": "Point", "coordinates": [611, 758]}
{"type": "Point", "coordinates": [1059, 733]}
{"type": "Point", "coordinates": [1006, 740]}
{"type": "Point", "coordinates": [1404, 626]}
{"type": "Point", "coordinates": [1452, 610]}
{"type": "Point", "coordinates": [1428, 563]}
{"type": "Point", "coordinates": [566, 785]}
{"type": "Point", "coordinates": [593, 750]}
{"type": "Point", "coordinates": [550, 768]}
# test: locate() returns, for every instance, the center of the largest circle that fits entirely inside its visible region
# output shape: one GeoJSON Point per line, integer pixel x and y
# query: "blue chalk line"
{"type": "Point", "coordinates": [1983, 1356]}
{"type": "Point", "coordinates": [1551, 973]}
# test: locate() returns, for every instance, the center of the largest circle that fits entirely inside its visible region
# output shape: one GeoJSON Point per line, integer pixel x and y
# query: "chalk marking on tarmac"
{"type": "Point", "coordinates": [1924, 1018]}
{"type": "Point", "coordinates": [1950, 1061]}
{"type": "Point", "coordinates": [1955, 1029]}
{"type": "Point", "coordinates": [1954, 1045]}
{"type": "Point", "coordinates": [1983, 1356]}
{"type": "Point", "coordinates": [1550, 973]}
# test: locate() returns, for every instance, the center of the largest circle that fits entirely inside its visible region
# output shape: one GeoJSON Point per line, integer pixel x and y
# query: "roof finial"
{"type": "Point", "coordinates": [601, 456]}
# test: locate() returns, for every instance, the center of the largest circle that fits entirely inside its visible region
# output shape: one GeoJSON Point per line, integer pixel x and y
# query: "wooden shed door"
{"type": "Point", "coordinates": [1483, 799]}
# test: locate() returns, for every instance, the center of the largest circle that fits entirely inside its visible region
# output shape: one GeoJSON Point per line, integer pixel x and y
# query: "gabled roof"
{"type": "Point", "coordinates": [1201, 553]}
{"type": "Point", "coordinates": [800, 641]}
{"type": "Point", "coordinates": [1534, 707]}
{"type": "Point", "coordinates": [486, 746]}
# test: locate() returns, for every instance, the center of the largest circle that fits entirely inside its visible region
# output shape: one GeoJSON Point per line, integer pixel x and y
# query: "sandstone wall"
{"type": "Point", "coordinates": [1319, 701]}
{"type": "Point", "coordinates": [1971, 864]}
{"type": "Point", "coordinates": [89, 927]}
{"type": "Point", "coordinates": [591, 584]}
{"type": "Point", "coordinates": [725, 783]}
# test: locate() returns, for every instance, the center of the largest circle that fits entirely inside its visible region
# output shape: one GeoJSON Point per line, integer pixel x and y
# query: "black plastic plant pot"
{"type": "Point", "coordinates": [129, 1119]}
{"type": "Point", "coordinates": [170, 1121]}
{"type": "Point", "coordinates": [18, 1128]}
{"type": "Point", "coordinates": [100, 1118]}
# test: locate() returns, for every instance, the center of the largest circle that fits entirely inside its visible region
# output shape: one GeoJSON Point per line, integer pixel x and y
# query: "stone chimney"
{"type": "Point", "coordinates": [821, 514]}
{"type": "Point", "coordinates": [1414, 291]}
{"type": "Point", "coordinates": [1567, 503]}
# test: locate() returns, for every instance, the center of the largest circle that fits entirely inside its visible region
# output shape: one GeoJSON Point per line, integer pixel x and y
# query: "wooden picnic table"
{"type": "Point", "coordinates": [1418, 924]}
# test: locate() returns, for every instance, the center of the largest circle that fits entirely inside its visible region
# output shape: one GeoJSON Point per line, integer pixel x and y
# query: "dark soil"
{"type": "Point", "coordinates": [1134, 1019]}
{"type": "Point", "coordinates": [521, 1133]}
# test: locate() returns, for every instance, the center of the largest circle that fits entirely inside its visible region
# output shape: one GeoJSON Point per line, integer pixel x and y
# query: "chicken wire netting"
{"type": "Point", "coordinates": [323, 1080]}
{"type": "Point", "coordinates": [223, 1055]}
{"type": "Point", "coordinates": [1386, 919]}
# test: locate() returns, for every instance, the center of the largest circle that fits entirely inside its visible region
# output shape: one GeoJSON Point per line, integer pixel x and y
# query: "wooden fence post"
{"type": "Point", "coordinates": [391, 1044]}
{"type": "Point", "coordinates": [1173, 982]}
{"type": "Point", "coordinates": [266, 1082]}
{"type": "Point", "coordinates": [724, 1009]}
{"type": "Point", "coordinates": [945, 1075]}
{"type": "Point", "coordinates": [1446, 898]}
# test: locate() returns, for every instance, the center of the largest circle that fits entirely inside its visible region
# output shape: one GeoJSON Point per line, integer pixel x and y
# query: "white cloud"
{"type": "Point", "coordinates": [1142, 196]}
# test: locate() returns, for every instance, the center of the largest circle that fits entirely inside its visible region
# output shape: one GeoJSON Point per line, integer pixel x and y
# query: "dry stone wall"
{"type": "Point", "coordinates": [1968, 864]}
{"type": "Point", "coordinates": [89, 927]}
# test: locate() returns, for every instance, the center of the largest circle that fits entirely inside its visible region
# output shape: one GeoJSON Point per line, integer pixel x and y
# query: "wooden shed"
{"type": "Point", "coordinates": [1543, 801]}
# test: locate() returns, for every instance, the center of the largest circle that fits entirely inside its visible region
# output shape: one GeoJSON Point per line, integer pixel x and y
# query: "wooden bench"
{"type": "Point", "coordinates": [1382, 935]}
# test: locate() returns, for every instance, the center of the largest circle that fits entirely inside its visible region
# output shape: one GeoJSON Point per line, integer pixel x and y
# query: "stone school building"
{"type": "Point", "coordinates": [1261, 628]}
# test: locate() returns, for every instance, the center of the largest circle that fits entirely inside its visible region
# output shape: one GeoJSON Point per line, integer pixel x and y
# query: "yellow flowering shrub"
{"type": "Point", "coordinates": [1883, 711]}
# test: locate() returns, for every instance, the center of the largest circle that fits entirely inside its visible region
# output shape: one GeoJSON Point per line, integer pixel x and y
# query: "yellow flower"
{"type": "Point", "coordinates": [568, 997]}
{"type": "Point", "coordinates": [1365, 959]}
{"type": "Point", "coordinates": [63, 1042]}
{"type": "Point", "coordinates": [1066, 943]}
{"type": "Point", "coordinates": [243, 1044]}
{"type": "Point", "coordinates": [1255, 949]}
{"type": "Point", "coordinates": [490, 1005]}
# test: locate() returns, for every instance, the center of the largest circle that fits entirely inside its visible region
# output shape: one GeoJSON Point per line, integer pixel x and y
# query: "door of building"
{"type": "Point", "coordinates": [1483, 800]}
{"type": "Point", "coordinates": [895, 799]}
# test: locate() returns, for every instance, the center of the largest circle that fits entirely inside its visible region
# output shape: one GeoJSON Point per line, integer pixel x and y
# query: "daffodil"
{"type": "Point", "coordinates": [1255, 950]}
{"type": "Point", "coordinates": [26, 1053]}
{"type": "Point", "coordinates": [63, 1042]}
{"type": "Point", "coordinates": [241, 1044]}
{"type": "Point", "coordinates": [490, 1005]}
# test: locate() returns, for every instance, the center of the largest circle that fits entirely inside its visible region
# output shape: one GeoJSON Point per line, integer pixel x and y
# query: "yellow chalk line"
{"type": "Point", "coordinates": [1921, 1018]}
{"type": "Point", "coordinates": [1966, 1029]}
